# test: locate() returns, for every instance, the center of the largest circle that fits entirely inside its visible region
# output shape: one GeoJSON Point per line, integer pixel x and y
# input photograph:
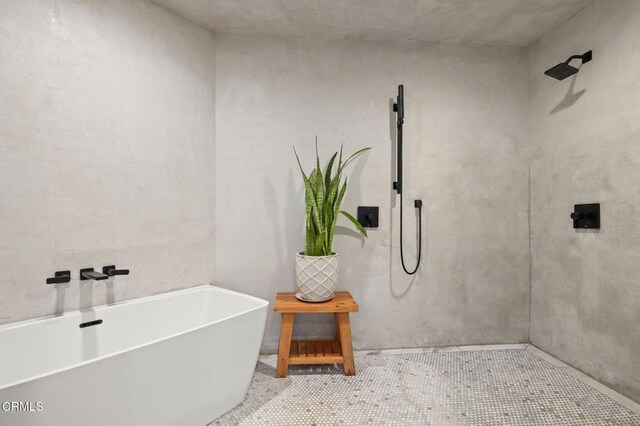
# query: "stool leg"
{"type": "Point", "coordinates": [336, 323]}
{"type": "Point", "coordinates": [345, 341]}
{"type": "Point", "coordinates": [285, 345]}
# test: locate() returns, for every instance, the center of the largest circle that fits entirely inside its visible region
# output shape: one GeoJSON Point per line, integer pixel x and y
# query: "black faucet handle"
{"type": "Point", "coordinates": [111, 271]}
{"type": "Point", "coordinates": [60, 277]}
{"type": "Point", "coordinates": [579, 215]}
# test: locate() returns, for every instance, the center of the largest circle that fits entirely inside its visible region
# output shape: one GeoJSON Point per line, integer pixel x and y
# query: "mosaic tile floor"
{"type": "Point", "coordinates": [497, 387]}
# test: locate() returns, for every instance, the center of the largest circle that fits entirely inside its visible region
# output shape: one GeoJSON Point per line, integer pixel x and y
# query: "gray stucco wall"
{"type": "Point", "coordinates": [106, 152]}
{"type": "Point", "coordinates": [586, 148]}
{"type": "Point", "coordinates": [466, 141]}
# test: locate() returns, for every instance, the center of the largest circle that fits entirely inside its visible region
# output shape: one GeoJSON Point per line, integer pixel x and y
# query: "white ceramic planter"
{"type": "Point", "coordinates": [316, 276]}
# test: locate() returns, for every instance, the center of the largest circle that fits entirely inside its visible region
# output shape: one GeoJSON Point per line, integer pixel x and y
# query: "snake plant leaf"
{"type": "Point", "coordinates": [312, 215]}
{"type": "Point", "coordinates": [334, 187]}
{"type": "Point", "coordinates": [312, 200]}
{"type": "Point", "coordinates": [336, 207]}
{"type": "Point", "coordinates": [304, 176]}
{"type": "Point", "coordinates": [335, 182]}
{"type": "Point", "coordinates": [353, 156]}
{"type": "Point", "coordinates": [327, 173]}
{"type": "Point", "coordinates": [309, 237]}
{"type": "Point", "coordinates": [310, 197]}
{"type": "Point", "coordinates": [318, 249]}
{"type": "Point", "coordinates": [340, 196]}
{"type": "Point", "coordinates": [317, 184]}
{"type": "Point", "coordinates": [317, 156]}
{"type": "Point", "coordinates": [327, 187]}
{"type": "Point", "coordinates": [332, 193]}
{"type": "Point", "coordinates": [355, 222]}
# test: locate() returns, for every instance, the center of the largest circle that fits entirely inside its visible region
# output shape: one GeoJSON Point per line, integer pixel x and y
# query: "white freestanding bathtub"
{"type": "Point", "coordinates": [181, 358]}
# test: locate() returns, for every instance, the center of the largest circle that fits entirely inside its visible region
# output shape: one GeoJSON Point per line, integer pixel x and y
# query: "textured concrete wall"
{"type": "Point", "coordinates": [586, 138]}
{"type": "Point", "coordinates": [106, 152]}
{"type": "Point", "coordinates": [486, 22]}
{"type": "Point", "coordinates": [466, 158]}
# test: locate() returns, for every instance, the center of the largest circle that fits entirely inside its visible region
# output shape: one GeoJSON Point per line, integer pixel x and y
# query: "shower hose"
{"type": "Point", "coordinates": [418, 205]}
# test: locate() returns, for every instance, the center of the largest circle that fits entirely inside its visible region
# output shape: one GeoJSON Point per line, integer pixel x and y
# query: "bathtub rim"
{"type": "Point", "coordinates": [261, 305]}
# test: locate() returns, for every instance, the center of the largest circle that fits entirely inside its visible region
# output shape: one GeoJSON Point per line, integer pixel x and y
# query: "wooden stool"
{"type": "Point", "coordinates": [327, 351]}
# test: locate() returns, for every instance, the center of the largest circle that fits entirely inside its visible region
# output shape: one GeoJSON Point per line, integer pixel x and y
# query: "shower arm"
{"type": "Point", "coordinates": [585, 57]}
{"type": "Point", "coordinates": [571, 58]}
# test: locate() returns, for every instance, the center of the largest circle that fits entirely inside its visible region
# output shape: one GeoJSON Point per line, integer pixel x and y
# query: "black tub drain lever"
{"type": "Point", "coordinates": [111, 271]}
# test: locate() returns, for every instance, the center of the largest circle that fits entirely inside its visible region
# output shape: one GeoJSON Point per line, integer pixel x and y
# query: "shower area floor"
{"type": "Point", "coordinates": [495, 385]}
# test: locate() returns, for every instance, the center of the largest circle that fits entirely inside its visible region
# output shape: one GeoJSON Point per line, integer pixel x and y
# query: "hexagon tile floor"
{"type": "Point", "coordinates": [494, 387]}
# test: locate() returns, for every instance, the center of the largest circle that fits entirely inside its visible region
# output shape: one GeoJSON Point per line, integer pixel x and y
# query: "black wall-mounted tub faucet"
{"type": "Point", "coordinates": [111, 271]}
{"type": "Point", "coordinates": [91, 274]}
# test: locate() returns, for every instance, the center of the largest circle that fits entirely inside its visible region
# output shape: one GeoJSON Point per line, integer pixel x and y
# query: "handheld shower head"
{"type": "Point", "coordinates": [399, 105]}
{"type": "Point", "coordinates": [564, 70]}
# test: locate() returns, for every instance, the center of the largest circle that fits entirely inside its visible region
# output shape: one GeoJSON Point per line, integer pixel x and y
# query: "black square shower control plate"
{"type": "Point", "coordinates": [368, 216]}
{"type": "Point", "coordinates": [586, 216]}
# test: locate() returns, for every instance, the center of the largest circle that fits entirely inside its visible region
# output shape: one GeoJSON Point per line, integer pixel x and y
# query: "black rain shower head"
{"type": "Point", "coordinates": [561, 71]}
{"type": "Point", "coordinates": [564, 70]}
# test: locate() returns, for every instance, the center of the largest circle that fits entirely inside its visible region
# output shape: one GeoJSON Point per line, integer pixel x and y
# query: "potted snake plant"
{"type": "Point", "coordinates": [317, 266]}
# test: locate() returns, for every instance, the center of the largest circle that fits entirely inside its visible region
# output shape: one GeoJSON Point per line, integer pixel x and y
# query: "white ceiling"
{"type": "Point", "coordinates": [497, 22]}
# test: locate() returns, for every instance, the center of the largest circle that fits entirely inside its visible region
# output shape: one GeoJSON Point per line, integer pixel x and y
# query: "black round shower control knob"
{"type": "Point", "coordinates": [579, 216]}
